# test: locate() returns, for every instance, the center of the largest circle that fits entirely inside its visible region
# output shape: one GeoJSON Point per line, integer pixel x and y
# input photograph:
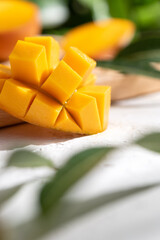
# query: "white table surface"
{"type": "Point", "coordinates": [135, 218]}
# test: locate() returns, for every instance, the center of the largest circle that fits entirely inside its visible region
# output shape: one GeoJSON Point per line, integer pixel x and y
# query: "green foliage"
{"type": "Point", "coordinates": [137, 58]}
{"type": "Point", "coordinates": [145, 13]}
{"type": "Point", "coordinates": [143, 49]}
{"type": "Point", "coordinates": [150, 142]}
{"type": "Point", "coordinates": [59, 211]}
{"type": "Point", "coordinates": [26, 159]}
{"type": "Point", "coordinates": [68, 175]}
{"type": "Point", "coordinates": [6, 194]}
{"type": "Point", "coordinates": [132, 67]}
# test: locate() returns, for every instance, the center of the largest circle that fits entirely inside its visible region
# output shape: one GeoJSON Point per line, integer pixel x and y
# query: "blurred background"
{"type": "Point", "coordinates": [58, 16]}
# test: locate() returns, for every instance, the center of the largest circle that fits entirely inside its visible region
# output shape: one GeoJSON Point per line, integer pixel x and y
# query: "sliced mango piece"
{"type": "Point", "coordinates": [94, 38]}
{"type": "Point", "coordinates": [43, 111]}
{"type": "Point", "coordinates": [5, 72]}
{"type": "Point", "coordinates": [51, 46]}
{"type": "Point", "coordinates": [29, 63]}
{"type": "Point", "coordinates": [66, 123]}
{"type": "Point", "coordinates": [79, 61]}
{"type": "Point", "coordinates": [90, 80]}
{"type": "Point", "coordinates": [16, 98]}
{"type": "Point", "coordinates": [62, 82]}
{"type": "Point", "coordinates": [84, 110]}
{"type": "Point", "coordinates": [103, 96]}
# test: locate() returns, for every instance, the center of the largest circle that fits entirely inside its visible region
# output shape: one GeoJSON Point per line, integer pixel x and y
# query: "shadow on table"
{"type": "Point", "coordinates": [26, 134]}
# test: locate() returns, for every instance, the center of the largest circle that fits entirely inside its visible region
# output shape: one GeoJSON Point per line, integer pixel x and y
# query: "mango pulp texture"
{"type": "Point", "coordinates": [42, 90]}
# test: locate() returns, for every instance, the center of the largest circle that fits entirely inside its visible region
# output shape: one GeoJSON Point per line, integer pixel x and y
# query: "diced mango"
{"type": "Point", "coordinates": [16, 98]}
{"type": "Point", "coordinates": [5, 72]}
{"type": "Point", "coordinates": [66, 123]}
{"type": "Point", "coordinates": [51, 46]}
{"type": "Point", "coordinates": [84, 110]}
{"type": "Point", "coordinates": [62, 82]}
{"type": "Point", "coordinates": [79, 61]}
{"type": "Point", "coordinates": [103, 96]}
{"type": "Point", "coordinates": [90, 80]}
{"type": "Point", "coordinates": [63, 98]}
{"type": "Point", "coordinates": [29, 63]}
{"type": "Point", "coordinates": [2, 81]}
{"type": "Point", "coordinates": [43, 111]}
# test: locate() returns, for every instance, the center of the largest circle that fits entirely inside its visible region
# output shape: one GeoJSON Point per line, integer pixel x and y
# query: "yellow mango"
{"type": "Point", "coordinates": [51, 46]}
{"type": "Point", "coordinates": [65, 100]}
{"type": "Point", "coordinates": [2, 81]}
{"type": "Point", "coordinates": [96, 37]}
{"type": "Point", "coordinates": [62, 82]}
{"type": "Point", "coordinates": [5, 72]}
{"type": "Point", "coordinates": [43, 111]}
{"type": "Point", "coordinates": [66, 123]}
{"type": "Point", "coordinates": [16, 98]}
{"type": "Point", "coordinates": [29, 63]}
{"type": "Point", "coordinates": [90, 80]}
{"type": "Point", "coordinates": [84, 110]}
{"type": "Point", "coordinates": [18, 19]}
{"type": "Point", "coordinates": [79, 61]}
{"type": "Point", "coordinates": [102, 94]}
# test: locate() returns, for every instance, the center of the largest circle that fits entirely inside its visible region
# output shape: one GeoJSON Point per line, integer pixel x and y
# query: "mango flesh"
{"type": "Point", "coordinates": [62, 82]}
{"type": "Point", "coordinates": [65, 100]}
{"type": "Point", "coordinates": [82, 107]}
{"type": "Point", "coordinates": [102, 95]}
{"type": "Point", "coordinates": [29, 63]}
{"type": "Point", "coordinates": [79, 61]}
{"type": "Point", "coordinates": [16, 97]}
{"type": "Point", "coordinates": [52, 49]}
{"type": "Point", "coordinates": [5, 73]}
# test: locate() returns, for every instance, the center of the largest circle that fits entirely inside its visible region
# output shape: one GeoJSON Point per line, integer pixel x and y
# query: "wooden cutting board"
{"type": "Point", "coordinates": [123, 86]}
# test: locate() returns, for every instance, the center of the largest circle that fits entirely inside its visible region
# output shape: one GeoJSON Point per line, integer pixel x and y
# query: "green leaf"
{"type": "Point", "coordinates": [69, 174]}
{"type": "Point", "coordinates": [6, 194]}
{"type": "Point", "coordinates": [151, 142]}
{"type": "Point", "coordinates": [66, 212]}
{"type": "Point", "coordinates": [119, 8]}
{"type": "Point", "coordinates": [27, 159]}
{"type": "Point", "coordinates": [132, 67]}
{"type": "Point", "coordinates": [144, 49]}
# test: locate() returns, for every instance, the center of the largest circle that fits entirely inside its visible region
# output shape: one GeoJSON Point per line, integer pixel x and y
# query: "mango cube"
{"type": "Point", "coordinates": [29, 63]}
{"type": "Point", "coordinates": [43, 111]}
{"type": "Point", "coordinates": [62, 82]}
{"type": "Point", "coordinates": [84, 110]}
{"type": "Point", "coordinates": [79, 61]}
{"type": "Point", "coordinates": [51, 46]}
{"type": "Point", "coordinates": [16, 97]}
{"type": "Point", "coordinates": [66, 123]}
{"type": "Point", "coordinates": [102, 95]}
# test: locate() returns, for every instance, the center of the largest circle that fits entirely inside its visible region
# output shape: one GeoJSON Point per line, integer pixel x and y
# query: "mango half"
{"type": "Point", "coordinates": [42, 90]}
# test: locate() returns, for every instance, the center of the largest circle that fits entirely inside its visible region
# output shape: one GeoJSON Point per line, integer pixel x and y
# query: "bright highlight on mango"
{"type": "Point", "coordinates": [42, 90]}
